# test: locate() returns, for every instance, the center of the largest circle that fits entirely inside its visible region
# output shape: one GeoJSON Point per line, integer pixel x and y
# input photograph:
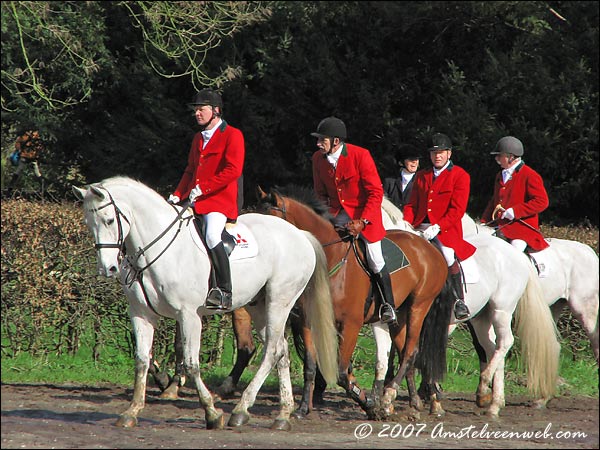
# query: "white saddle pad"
{"type": "Point", "coordinates": [246, 245]}
{"type": "Point", "coordinates": [470, 270]}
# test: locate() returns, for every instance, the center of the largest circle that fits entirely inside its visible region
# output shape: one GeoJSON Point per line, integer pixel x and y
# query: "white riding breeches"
{"type": "Point", "coordinates": [214, 224]}
{"type": "Point", "coordinates": [519, 244]}
{"type": "Point", "coordinates": [447, 252]}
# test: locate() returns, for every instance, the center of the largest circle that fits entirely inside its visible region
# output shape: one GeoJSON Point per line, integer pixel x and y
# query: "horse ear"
{"type": "Point", "coordinates": [79, 193]}
{"type": "Point", "coordinates": [260, 194]}
{"type": "Point", "coordinates": [97, 192]}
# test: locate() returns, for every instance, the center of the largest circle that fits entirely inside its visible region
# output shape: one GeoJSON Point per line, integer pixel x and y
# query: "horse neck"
{"type": "Point", "coordinates": [306, 219]}
{"type": "Point", "coordinates": [148, 215]}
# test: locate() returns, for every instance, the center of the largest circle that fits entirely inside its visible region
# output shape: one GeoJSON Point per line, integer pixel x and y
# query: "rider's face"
{"type": "Point", "coordinates": [327, 145]}
{"type": "Point", "coordinates": [439, 158]}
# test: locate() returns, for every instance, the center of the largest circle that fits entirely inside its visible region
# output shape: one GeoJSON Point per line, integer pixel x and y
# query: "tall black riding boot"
{"type": "Point", "coordinates": [387, 310]}
{"type": "Point", "coordinates": [461, 311]}
{"type": "Point", "coordinates": [220, 297]}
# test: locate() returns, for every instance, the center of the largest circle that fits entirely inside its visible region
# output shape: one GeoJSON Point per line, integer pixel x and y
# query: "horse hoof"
{"type": "Point", "coordinates": [300, 413]}
{"type": "Point", "coordinates": [282, 425]}
{"type": "Point", "coordinates": [126, 422]}
{"type": "Point", "coordinates": [217, 423]}
{"type": "Point", "coordinates": [238, 419]}
{"type": "Point", "coordinates": [171, 393]}
{"type": "Point", "coordinates": [484, 401]}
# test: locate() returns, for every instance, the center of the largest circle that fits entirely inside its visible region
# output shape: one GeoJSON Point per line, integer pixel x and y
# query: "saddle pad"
{"type": "Point", "coordinates": [246, 245]}
{"type": "Point", "coordinates": [394, 257]}
{"type": "Point", "coordinates": [541, 262]}
{"type": "Point", "coordinates": [470, 270]}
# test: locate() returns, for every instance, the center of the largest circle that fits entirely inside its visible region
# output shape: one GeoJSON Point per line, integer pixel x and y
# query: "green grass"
{"type": "Point", "coordinates": [579, 374]}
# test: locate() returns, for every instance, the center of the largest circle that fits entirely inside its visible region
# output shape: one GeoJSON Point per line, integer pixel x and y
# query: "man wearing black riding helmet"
{"type": "Point", "coordinates": [346, 179]}
{"type": "Point", "coordinates": [210, 181]}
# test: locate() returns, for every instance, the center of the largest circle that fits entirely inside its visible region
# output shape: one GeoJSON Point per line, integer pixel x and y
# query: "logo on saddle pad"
{"type": "Point", "coordinates": [238, 233]}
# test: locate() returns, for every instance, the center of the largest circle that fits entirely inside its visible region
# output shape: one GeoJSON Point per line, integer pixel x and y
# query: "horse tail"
{"type": "Point", "coordinates": [433, 341]}
{"type": "Point", "coordinates": [539, 342]}
{"type": "Point", "coordinates": [319, 315]}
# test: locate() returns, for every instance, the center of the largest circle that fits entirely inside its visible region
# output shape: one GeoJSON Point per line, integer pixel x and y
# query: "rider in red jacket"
{"type": "Point", "coordinates": [519, 196]}
{"type": "Point", "coordinates": [345, 178]}
{"type": "Point", "coordinates": [437, 204]}
{"type": "Point", "coordinates": [210, 180]}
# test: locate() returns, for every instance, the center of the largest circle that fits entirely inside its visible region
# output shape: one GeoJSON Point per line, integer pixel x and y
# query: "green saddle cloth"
{"type": "Point", "coordinates": [394, 257]}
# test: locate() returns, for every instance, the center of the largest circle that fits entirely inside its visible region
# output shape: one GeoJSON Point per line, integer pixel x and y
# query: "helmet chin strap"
{"type": "Point", "coordinates": [331, 147]}
{"type": "Point", "coordinates": [212, 117]}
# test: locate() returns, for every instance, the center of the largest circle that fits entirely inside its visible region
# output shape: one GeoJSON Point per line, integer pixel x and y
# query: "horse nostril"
{"type": "Point", "coordinates": [113, 270]}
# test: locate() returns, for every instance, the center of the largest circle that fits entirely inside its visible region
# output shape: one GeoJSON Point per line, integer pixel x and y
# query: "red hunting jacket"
{"type": "Point", "coordinates": [353, 185]}
{"type": "Point", "coordinates": [444, 202]}
{"type": "Point", "coordinates": [216, 170]}
{"type": "Point", "coordinates": [526, 195]}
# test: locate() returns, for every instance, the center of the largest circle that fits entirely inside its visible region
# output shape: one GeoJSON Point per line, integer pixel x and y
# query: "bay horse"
{"type": "Point", "coordinates": [154, 250]}
{"type": "Point", "coordinates": [502, 285]}
{"type": "Point", "coordinates": [418, 291]}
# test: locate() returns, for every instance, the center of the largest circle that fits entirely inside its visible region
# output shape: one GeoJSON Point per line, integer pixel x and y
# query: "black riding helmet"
{"type": "Point", "coordinates": [407, 151]}
{"type": "Point", "coordinates": [438, 141]}
{"type": "Point", "coordinates": [207, 97]}
{"type": "Point", "coordinates": [330, 127]}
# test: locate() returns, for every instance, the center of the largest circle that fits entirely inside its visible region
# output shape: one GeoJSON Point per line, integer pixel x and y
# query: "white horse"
{"type": "Point", "coordinates": [500, 284]}
{"type": "Point", "coordinates": [570, 275]}
{"type": "Point", "coordinates": [153, 247]}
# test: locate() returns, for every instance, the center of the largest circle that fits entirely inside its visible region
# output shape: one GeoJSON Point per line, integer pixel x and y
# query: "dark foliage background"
{"type": "Point", "coordinates": [393, 71]}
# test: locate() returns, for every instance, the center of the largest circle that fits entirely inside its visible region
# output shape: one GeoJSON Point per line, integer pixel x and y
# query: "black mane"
{"type": "Point", "coordinates": [306, 196]}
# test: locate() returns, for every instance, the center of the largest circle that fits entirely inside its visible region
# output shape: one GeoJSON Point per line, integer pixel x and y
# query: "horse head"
{"type": "Point", "coordinates": [108, 225]}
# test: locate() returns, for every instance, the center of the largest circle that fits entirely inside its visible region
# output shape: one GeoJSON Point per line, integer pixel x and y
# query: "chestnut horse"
{"type": "Point", "coordinates": [416, 285]}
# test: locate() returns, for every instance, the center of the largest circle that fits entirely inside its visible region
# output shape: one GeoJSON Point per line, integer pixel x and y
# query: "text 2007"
{"type": "Point", "coordinates": [398, 431]}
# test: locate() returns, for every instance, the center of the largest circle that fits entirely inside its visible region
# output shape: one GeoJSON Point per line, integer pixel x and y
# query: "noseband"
{"type": "Point", "coordinates": [120, 244]}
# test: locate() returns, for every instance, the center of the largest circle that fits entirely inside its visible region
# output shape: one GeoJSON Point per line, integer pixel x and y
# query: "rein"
{"type": "Point", "coordinates": [344, 260]}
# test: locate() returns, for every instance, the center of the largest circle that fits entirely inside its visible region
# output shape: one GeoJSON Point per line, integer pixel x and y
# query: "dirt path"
{"type": "Point", "coordinates": [49, 416]}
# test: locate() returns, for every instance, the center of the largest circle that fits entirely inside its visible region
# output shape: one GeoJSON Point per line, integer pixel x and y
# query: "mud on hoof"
{"type": "Point", "coordinates": [218, 423]}
{"type": "Point", "coordinates": [483, 401]}
{"type": "Point", "coordinates": [282, 425]}
{"type": "Point", "coordinates": [238, 419]}
{"type": "Point", "coordinates": [378, 413]}
{"type": "Point", "coordinates": [126, 421]}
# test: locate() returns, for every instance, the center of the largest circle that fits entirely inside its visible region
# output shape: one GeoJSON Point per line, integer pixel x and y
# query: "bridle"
{"type": "Point", "coordinates": [135, 273]}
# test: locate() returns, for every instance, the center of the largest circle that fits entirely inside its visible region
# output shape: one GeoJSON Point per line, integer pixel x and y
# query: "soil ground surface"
{"type": "Point", "coordinates": [70, 416]}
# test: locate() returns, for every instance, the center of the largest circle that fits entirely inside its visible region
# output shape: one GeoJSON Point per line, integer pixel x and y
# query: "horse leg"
{"type": "Point", "coordinates": [191, 332]}
{"type": "Point", "coordinates": [242, 329]}
{"type": "Point", "coordinates": [345, 379]}
{"type": "Point", "coordinates": [504, 339]}
{"type": "Point", "coordinates": [414, 321]}
{"type": "Point", "coordinates": [286, 396]}
{"type": "Point", "coordinates": [161, 379]}
{"type": "Point", "coordinates": [275, 348]}
{"type": "Point", "coordinates": [178, 380]}
{"type": "Point", "coordinates": [144, 333]}
{"type": "Point", "coordinates": [383, 343]}
{"type": "Point", "coordinates": [310, 366]}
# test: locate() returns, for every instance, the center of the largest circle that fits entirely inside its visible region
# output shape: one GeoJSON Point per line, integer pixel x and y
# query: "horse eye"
{"type": "Point", "coordinates": [110, 221]}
